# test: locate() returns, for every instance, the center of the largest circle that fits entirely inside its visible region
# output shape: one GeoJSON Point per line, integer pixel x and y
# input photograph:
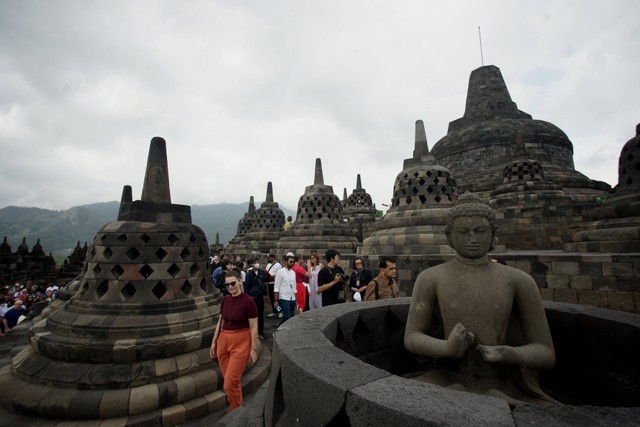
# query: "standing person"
{"type": "Point", "coordinates": [235, 338]}
{"type": "Point", "coordinates": [255, 285]}
{"type": "Point", "coordinates": [302, 277]}
{"type": "Point", "coordinates": [330, 278]}
{"type": "Point", "coordinates": [288, 224]}
{"type": "Point", "coordinates": [12, 315]}
{"type": "Point", "coordinates": [384, 285]}
{"type": "Point", "coordinates": [313, 267]}
{"type": "Point", "coordinates": [284, 290]}
{"type": "Point", "coordinates": [3, 309]}
{"type": "Point", "coordinates": [218, 276]}
{"type": "Point", "coordinates": [359, 279]}
{"type": "Point", "coordinates": [272, 268]}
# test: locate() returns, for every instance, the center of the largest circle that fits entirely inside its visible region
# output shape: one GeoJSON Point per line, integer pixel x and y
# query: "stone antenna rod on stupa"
{"type": "Point", "coordinates": [344, 194]}
{"type": "Point", "coordinates": [252, 206]}
{"type": "Point", "coordinates": [421, 145]}
{"type": "Point", "coordinates": [318, 178]}
{"type": "Point", "coordinates": [358, 183]}
{"type": "Point", "coordinates": [127, 198]}
{"type": "Point", "coordinates": [269, 198]}
{"type": "Point", "coordinates": [156, 178]}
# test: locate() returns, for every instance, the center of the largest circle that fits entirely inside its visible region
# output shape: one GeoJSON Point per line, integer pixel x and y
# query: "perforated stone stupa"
{"type": "Point", "coordinates": [268, 221]}
{"type": "Point", "coordinates": [319, 224]}
{"type": "Point", "coordinates": [531, 212]}
{"type": "Point", "coordinates": [132, 343]}
{"type": "Point", "coordinates": [238, 245]}
{"type": "Point", "coordinates": [478, 145]}
{"type": "Point", "coordinates": [358, 209]}
{"type": "Point", "coordinates": [422, 194]}
{"type": "Point", "coordinates": [616, 225]}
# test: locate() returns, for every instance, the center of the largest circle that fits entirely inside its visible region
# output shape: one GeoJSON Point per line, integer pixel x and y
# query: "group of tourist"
{"type": "Point", "coordinates": [290, 287]}
{"type": "Point", "coordinates": [18, 301]}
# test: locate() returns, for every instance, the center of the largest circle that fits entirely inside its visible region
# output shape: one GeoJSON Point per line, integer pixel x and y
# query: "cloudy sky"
{"type": "Point", "coordinates": [247, 92]}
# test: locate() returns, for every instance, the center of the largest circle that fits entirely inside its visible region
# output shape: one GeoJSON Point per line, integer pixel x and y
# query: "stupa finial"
{"type": "Point", "coordinates": [344, 194]}
{"type": "Point", "coordinates": [358, 183]}
{"type": "Point", "coordinates": [318, 178]}
{"type": "Point", "coordinates": [156, 178]}
{"type": "Point", "coordinates": [421, 145]}
{"type": "Point", "coordinates": [269, 198]}
{"type": "Point", "coordinates": [252, 206]}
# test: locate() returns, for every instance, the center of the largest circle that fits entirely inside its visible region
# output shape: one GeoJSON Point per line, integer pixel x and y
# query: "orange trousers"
{"type": "Point", "coordinates": [233, 350]}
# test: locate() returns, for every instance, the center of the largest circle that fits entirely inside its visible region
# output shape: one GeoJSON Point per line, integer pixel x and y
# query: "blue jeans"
{"type": "Point", "coordinates": [287, 309]}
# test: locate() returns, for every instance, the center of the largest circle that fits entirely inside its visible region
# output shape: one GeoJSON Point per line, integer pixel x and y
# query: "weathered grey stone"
{"type": "Point", "coordinates": [422, 404]}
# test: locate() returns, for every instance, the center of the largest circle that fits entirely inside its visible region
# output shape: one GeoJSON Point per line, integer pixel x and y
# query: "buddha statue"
{"type": "Point", "coordinates": [482, 322]}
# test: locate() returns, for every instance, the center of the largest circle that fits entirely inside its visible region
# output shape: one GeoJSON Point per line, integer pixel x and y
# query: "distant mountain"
{"type": "Point", "coordinates": [59, 231]}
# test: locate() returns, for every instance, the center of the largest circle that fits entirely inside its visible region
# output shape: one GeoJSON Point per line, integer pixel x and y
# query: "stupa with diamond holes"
{"type": "Point", "coordinates": [237, 244]}
{"type": "Point", "coordinates": [422, 194]}
{"type": "Point", "coordinates": [616, 225]}
{"type": "Point", "coordinates": [268, 221]}
{"type": "Point", "coordinates": [319, 223]}
{"type": "Point", "coordinates": [358, 209]}
{"type": "Point", "coordinates": [132, 344]}
{"type": "Point", "coordinates": [526, 201]}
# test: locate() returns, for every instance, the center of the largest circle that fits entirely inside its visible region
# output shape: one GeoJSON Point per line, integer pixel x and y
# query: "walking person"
{"type": "Point", "coordinates": [359, 279]}
{"type": "Point", "coordinates": [331, 278]}
{"type": "Point", "coordinates": [313, 267]}
{"type": "Point", "coordinates": [302, 279]}
{"type": "Point", "coordinates": [285, 290]}
{"type": "Point", "coordinates": [271, 270]}
{"type": "Point", "coordinates": [235, 338]}
{"type": "Point", "coordinates": [384, 285]}
{"type": "Point", "coordinates": [255, 285]}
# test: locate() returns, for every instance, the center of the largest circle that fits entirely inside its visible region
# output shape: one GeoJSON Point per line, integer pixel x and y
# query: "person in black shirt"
{"type": "Point", "coordinates": [359, 278]}
{"type": "Point", "coordinates": [330, 279]}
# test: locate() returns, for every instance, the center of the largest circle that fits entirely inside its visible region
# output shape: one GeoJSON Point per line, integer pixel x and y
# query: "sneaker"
{"type": "Point", "coordinates": [262, 337]}
{"type": "Point", "coordinates": [280, 316]}
{"type": "Point", "coordinates": [271, 314]}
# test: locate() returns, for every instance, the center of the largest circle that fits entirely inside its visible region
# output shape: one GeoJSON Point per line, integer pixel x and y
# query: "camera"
{"type": "Point", "coordinates": [343, 277]}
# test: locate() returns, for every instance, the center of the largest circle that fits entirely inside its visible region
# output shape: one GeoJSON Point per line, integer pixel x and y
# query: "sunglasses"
{"type": "Point", "coordinates": [231, 283]}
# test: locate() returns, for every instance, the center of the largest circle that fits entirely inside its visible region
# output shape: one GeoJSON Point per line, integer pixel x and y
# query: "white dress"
{"type": "Point", "coordinates": [315, 299]}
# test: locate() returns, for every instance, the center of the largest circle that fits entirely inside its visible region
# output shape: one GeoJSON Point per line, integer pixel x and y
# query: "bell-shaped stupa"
{"type": "Point", "coordinates": [131, 345]}
{"type": "Point", "coordinates": [319, 224]}
{"type": "Point", "coordinates": [531, 212]}
{"type": "Point", "coordinates": [358, 209]}
{"type": "Point", "coordinates": [616, 225]}
{"type": "Point", "coordinates": [238, 244]}
{"type": "Point", "coordinates": [268, 221]}
{"type": "Point", "coordinates": [422, 194]}
{"type": "Point", "coordinates": [479, 145]}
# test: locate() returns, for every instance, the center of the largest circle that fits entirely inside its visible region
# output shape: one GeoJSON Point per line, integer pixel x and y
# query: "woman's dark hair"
{"type": "Point", "coordinates": [353, 264]}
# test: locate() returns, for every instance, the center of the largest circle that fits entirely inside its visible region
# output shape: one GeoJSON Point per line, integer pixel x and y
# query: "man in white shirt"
{"type": "Point", "coordinates": [271, 270]}
{"type": "Point", "coordinates": [285, 290]}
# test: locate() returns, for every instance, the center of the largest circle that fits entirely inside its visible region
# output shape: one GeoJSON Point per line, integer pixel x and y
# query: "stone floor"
{"type": "Point", "coordinates": [18, 338]}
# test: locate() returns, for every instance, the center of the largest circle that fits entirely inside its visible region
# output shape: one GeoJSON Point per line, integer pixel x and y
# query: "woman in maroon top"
{"type": "Point", "coordinates": [236, 337]}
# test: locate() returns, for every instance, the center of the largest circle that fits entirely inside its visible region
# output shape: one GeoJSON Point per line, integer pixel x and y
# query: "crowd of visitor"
{"type": "Point", "coordinates": [17, 302]}
{"type": "Point", "coordinates": [289, 287]}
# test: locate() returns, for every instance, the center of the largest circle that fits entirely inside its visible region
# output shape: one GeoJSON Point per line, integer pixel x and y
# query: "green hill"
{"type": "Point", "coordinates": [59, 231]}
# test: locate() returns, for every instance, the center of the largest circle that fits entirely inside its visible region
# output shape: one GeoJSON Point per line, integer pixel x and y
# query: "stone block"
{"type": "Point", "coordinates": [594, 298]}
{"type": "Point", "coordinates": [305, 379]}
{"type": "Point", "coordinates": [564, 267]}
{"type": "Point", "coordinates": [423, 404]}
{"type": "Point", "coordinates": [565, 295]}
{"type": "Point", "coordinates": [115, 403]}
{"type": "Point", "coordinates": [144, 399]}
{"type": "Point", "coordinates": [174, 415]}
{"type": "Point", "coordinates": [566, 415]}
{"type": "Point", "coordinates": [629, 283]}
{"type": "Point", "coordinates": [558, 281]}
{"type": "Point", "coordinates": [186, 388]}
{"type": "Point", "coordinates": [621, 301]}
{"type": "Point", "coordinates": [617, 269]}
{"type": "Point", "coordinates": [523, 265]}
{"type": "Point", "coordinates": [581, 283]}
{"type": "Point", "coordinates": [546, 294]}
{"type": "Point", "coordinates": [605, 283]}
